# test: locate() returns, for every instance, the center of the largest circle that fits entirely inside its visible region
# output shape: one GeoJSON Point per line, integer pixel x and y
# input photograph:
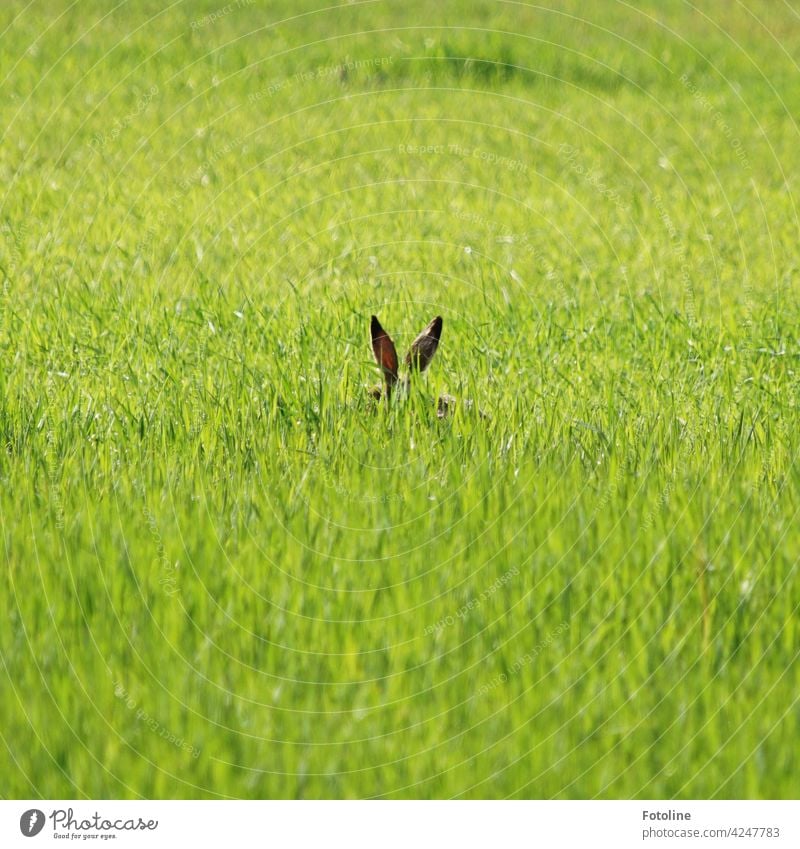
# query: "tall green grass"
{"type": "Point", "coordinates": [226, 574]}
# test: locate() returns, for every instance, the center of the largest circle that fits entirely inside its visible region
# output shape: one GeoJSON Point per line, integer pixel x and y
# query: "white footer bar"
{"type": "Point", "coordinates": [401, 825]}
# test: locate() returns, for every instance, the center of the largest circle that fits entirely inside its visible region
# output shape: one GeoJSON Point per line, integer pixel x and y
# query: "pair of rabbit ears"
{"type": "Point", "coordinates": [419, 355]}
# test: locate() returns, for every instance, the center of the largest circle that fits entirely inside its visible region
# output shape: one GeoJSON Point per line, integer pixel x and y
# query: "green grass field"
{"type": "Point", "coordinates": [224, 574]}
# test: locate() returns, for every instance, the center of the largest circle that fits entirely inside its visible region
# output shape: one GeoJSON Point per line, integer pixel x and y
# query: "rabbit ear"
{"type": "Point", "coordinates": [424, 346]}
{"type": "Point", "coordinates": [385, 353]}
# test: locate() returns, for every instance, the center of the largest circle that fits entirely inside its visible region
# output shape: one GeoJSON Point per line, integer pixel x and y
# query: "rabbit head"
{"type": "Point", "coordinates": [417, 359]}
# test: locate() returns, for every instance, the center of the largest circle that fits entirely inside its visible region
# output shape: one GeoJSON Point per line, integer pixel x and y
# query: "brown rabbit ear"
{"type": "Point", "coordinates": [385, 353]}
{"type": "Point", "coordinates": [424, 346]}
